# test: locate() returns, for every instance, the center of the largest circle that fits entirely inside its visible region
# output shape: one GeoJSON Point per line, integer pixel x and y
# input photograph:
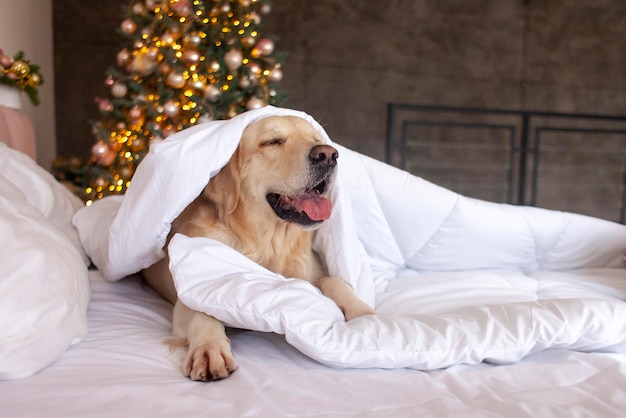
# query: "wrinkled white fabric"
{"type": "Point", "coordinates": [123, 360]}
{"type": "Point", "coordinates": [387, 228]}
{"type": "Point", "coordinates": [214, 278]}
{"type": "Point", "coordinates": [44, 289]}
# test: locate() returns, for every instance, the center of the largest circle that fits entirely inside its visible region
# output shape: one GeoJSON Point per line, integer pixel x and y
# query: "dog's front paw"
{"type": "Point", "coordinates": [209, 361]}
{"type": "Point", "coordinates": [356, 311]}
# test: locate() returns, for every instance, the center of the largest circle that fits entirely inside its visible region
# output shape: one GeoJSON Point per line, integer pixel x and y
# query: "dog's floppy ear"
{"type": "Point", "coordinates": [224, 188]}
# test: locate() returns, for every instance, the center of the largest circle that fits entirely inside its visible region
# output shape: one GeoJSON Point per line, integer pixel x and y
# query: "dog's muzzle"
{"type": "Point", "coordinates": [310, 207]}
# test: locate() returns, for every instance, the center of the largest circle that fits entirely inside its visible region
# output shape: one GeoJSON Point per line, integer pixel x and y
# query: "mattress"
{"type": "Point", "coordinates": [123, 368]}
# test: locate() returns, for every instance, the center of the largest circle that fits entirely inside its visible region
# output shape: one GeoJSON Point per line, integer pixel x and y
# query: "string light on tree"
{"type": "Point", "coordinates": [187, 62]}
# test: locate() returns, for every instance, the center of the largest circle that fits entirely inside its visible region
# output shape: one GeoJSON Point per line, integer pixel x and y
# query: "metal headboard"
{"type": "Point", "coordinates": [529, 143]}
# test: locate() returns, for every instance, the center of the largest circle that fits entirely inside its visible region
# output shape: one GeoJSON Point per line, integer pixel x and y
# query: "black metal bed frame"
{"type": "Point", "coordinates": [524, 138]}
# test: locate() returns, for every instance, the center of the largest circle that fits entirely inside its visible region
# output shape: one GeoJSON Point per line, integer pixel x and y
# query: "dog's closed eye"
{"type": "Point", "coordinates": [273, 142]}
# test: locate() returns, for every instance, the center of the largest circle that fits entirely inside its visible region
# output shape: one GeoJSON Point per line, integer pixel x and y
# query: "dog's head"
{"type": "Point", "coordinates": [281, 171]}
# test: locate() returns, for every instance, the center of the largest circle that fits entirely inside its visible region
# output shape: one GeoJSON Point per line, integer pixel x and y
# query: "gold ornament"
{"type": "Point", "coordinates": [232, 112]}
{"type": "Point", "coordinates": [35, 79]}
{"type": "Point", "coordinates": [143, 64]}
{"type": "Point", "coordinates": [20, 68]}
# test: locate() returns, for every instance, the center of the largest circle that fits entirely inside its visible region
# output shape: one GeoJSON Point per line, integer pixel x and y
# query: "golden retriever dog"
{"type": "Point", "coordinates": [265, 203]}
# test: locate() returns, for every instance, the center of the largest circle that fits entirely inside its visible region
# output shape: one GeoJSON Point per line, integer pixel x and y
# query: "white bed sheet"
{"type": "Point", "coordinates": [122, 368]}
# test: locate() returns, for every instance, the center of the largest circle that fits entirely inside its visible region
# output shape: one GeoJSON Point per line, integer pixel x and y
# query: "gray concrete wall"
{"type": "Point", "coordinates": [347, 59]}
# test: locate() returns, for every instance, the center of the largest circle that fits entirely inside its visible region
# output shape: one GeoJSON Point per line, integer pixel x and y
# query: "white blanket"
{"type": "Point", "coordinates": [456, 280]}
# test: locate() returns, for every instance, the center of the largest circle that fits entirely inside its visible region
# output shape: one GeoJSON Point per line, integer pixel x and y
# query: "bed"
{"type": "Point", "coordinates": [92, 346]}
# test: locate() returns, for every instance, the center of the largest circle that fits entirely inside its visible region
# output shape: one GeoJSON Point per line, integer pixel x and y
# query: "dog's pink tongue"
{"type": "Point", "coordinates": [316, 207]}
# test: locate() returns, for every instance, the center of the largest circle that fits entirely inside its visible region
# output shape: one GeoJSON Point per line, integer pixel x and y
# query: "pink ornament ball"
{"type": "Point", "coordinates": [233, 59]}
{"type": "Point", "coordinates": [276, 75]}
{"type": "Point", "coordinates": [265, 46]}
{"type": "Point", "coordinates": [135, 113]}
{"type": "Point", "coordinates": [107, 159]}
{"type": "Point", "coordinates": [99, 149]}
{"type": "Point", "coordinates": [171, 109]}
{"type": "Point", "coordinates": [123, 57]}
{"type": "Point", "coordinates": [6, 60]}
{"type": "Point", "coordinates": [255, 103]}
{"type": "Point", "coordinates": [176, 80]}
{"type": "Point", "coordinates": [104, 105]}
{"type": "Point", "coordinates": [212, 93]}
{"type": "Point", "coordinates": [119, 90]}
{"type": "Point", "coordinates": [191, 56]}
{"type": "Point", "coordinates": [128, 26]}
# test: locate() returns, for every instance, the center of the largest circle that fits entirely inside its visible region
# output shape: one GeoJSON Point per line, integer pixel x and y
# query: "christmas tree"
{"type": "Point", "coordinates": [187, 62]}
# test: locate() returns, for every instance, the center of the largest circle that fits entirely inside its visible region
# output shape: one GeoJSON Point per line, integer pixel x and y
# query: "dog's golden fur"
{"type": "Point", "coordinates": [276, 155]}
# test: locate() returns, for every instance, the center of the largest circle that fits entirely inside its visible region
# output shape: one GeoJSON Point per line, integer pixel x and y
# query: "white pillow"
{"type": "Point", "coordinates": [44, 288]}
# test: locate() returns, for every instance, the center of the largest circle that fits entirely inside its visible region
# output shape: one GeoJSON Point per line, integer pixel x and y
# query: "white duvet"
{"type": "Point", "coordinates": [454, 279]}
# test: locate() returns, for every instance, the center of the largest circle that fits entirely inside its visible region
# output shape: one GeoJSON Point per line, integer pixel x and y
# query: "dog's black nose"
{"type": "Point", "coordinates": [324, 154]}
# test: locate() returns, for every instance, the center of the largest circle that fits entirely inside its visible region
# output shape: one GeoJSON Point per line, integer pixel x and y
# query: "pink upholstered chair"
{"type": "Point", "coordinates": [16, 129]}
